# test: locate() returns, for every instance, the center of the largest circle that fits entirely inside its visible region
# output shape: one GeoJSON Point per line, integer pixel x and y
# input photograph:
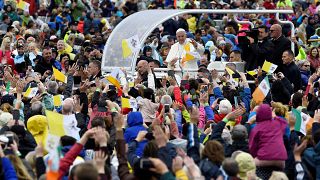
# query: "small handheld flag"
{"type": "Point", "coordinates": [269, 67]}
{"type": "Point", "coordinates": [261, 91]}
{"type": "Point", "coordinates": [59, 75]}
{"type": "Point", "coordinates": [130, 46]}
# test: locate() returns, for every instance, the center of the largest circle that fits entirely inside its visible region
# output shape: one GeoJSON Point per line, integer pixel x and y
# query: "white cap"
{"type": "Point", "coordinates": [4, 139]}
{"type": "Point", "coordinates": [180, 30]}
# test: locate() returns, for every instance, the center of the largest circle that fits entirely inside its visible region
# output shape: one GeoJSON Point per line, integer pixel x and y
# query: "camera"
{"type": "Point", "coordinates": [243, 38]}
{"type": "Point", "coordinates": [166, 108]}
{"type": "Point", "coordinates": [146, 164]}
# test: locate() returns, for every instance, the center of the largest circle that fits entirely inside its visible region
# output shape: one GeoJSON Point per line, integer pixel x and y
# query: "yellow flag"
{"type": "Point", "coordinates": [126, 51]}
{"type": "Point", "coordinates": [187, 47]}
{"type": "Point", "coordinates": [230, 71]}
{"type": "Point", "coordinates": [125, 103]}
{"type": "Point", "coordinates": [57, 100]}
{"type": "Point", "coordinates": [59, 75]}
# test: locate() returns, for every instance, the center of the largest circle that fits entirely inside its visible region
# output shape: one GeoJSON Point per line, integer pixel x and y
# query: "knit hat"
{"type": "Point", "coordinates": [264, 113]}
{"type": "Point", "coordinates": [225, 106]}
{"type": "Point", "coordinates": [246, 164]}
{"type": "Point", "coordinates": [7, 99]}
{"type": "Point", "coordinates": [278, 175]}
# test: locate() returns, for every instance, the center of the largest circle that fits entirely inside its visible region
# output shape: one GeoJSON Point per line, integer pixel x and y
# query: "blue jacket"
{"type": "Point", "coordinates": [135, 124]}
{"type": "Point", "coordinates": [9, 172]}
{"type": "Point", "coordinates": [304, 77]}
{"type": "Point", "coordinates": [311, 156]}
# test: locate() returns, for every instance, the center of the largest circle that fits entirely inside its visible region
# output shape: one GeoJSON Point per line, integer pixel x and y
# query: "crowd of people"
{"type": "Point", "coordinates": [61, 118]}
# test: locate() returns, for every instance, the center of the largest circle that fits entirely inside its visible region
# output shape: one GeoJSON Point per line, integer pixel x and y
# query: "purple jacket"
{"type": "Point", "coordinates": [266, 139]}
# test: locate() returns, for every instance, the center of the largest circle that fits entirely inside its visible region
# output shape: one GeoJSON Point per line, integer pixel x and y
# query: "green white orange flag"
{"type": "Point", "coordinates": [303, 121]}
{"type": "Point", "coordinates": [130, 46]}
{"type": "Point", "coordinates": [261, 91]}
{"type": "Point", "coordinates": [269, 67]}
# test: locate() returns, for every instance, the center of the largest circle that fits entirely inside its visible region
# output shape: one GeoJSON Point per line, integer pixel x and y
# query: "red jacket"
{"type": "Point", "coordinates": [81, 26]}
{"type": "Point", "coordinates": [68, 159]}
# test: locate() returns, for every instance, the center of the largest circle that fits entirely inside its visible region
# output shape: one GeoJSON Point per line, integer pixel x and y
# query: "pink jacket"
{"type": "Point", "coordinates": [266, 140]}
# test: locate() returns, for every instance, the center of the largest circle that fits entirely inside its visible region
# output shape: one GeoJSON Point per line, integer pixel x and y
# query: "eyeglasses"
{"type": "Point", "coordinates": [306, 65]}
{"type": "Point", "coordinates": [272, 30]}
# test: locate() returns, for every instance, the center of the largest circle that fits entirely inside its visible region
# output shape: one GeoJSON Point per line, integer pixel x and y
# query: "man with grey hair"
{"type": "Point", "coordinates": [184, 53]}
{"type": "Point", "coordinates": [36, 108]}
{"type": "Point", "coordinates": [67, 106]}
{"type": "Point", "coordinates": [52, 87]}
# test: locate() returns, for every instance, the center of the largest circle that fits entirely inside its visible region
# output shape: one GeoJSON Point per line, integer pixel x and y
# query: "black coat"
{"type": "Point", "coordinates": [255, 54]}
{"type": "Point", "coordinates": [292, 72]}
{"type": "Point", "coordinates": [42, 66]}
{"type": "Point", "coordinates": [262, 51]}
{"type": "Point", "coordinates": [280, 45]}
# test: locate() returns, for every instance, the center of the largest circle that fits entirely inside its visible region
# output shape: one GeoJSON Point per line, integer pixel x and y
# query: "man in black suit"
{"type": "Point", "coordinates": [291, 70]}
{"type": "Point", "coordinates": [280, 43]}
{"type": "Point", "coordinates": [94, 70]}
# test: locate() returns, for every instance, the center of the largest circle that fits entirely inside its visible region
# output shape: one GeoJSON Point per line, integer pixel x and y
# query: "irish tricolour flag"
{"type": "Point", "coordinates": [262, 90]}
{"type": "Point", "coordinates": [303, 121]}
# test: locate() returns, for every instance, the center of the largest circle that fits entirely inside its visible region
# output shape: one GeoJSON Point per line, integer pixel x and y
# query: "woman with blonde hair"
{"type": "Point", "coordinates": [34, 53]}
{"type": "Point", "coordinates": [5, 52]}
{"type": "Point", "coordinates": [21, 170]}
{"type": "Point", "coordinates": [64, 48]}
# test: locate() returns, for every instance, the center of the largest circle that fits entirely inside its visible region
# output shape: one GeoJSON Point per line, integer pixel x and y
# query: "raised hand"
{"type": "Point", "coordinates": [99, 160]}
{"type": "Point", "coordinates": [160, 137]}
{"type": "Point", "coordinates": [141, 135]}
{"type": "Point", "coordinates": [119, 122]}
{"type": "Point", "coordinates": [234, 114]}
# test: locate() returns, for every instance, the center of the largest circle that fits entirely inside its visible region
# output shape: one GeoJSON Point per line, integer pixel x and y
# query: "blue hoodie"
{"type": "Point", "coordinates": [135, 124]}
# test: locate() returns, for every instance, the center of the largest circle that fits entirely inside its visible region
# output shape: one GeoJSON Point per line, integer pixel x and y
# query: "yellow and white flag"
{"type": "Point", "coordinates": [253, 72]}
{"type": "Point", "coordinates": [130, 46]}
{"type": "Point", "coordinates": [269, 67]}
{"type": "Point", "coordinates": [59, 75]}
{"type": "Point", "coordinates": [60, 125]}
{"type": "Point", "coordinates": [31, 92]}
